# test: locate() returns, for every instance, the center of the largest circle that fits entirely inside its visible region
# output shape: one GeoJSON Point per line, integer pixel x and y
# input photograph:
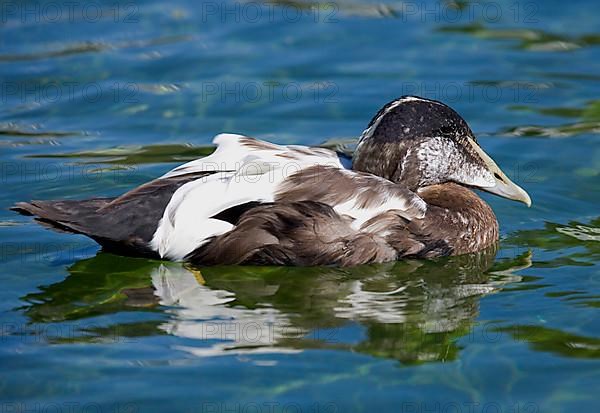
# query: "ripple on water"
{"type": "Point", "coordinates": [13, 135]}
{"type": "Point", "coordinates": [138, 155]}
{"type": "Point", "coordinates": [528, 39]}
{"type": "Point", "coordinates": [82, 47]}
{"type": "Point", "coordinates": [587, 120]}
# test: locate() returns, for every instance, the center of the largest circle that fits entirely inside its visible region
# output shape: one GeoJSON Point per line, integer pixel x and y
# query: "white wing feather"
{"type": "Point", "coordinates": [251, 170]}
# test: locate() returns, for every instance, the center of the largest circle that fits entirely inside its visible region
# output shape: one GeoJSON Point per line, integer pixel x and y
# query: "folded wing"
{"type": "Point", "coordinates": [254, 172]}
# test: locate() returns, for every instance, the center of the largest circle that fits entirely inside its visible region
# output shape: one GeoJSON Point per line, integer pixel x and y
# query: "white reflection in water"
{"type": "Point", "coordinates": [205, 314]}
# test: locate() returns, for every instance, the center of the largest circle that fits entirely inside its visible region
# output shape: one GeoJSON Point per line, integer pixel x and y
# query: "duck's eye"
{"type": "Point", "coordinates": [498, 177]}
{"type": "Point", "coordinates": [445, 130]}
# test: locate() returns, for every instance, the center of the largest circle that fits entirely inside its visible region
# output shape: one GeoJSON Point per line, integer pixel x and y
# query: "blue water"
{"type": "Point", "coordinates": [98, 97]}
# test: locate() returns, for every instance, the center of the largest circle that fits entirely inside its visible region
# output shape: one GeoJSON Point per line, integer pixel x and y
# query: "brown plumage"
{"type": "Point", "coordinates": [294, 233]}
{"type": "Point", "coordinates": [312, 233]}
{"type": "Point", "coordinates": [408, 195]}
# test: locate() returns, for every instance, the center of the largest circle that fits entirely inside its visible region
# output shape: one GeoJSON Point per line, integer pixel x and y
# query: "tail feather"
{"type": "Point", "coordinates": [65, 215]}
{"type": "Point", "coordinates": [83, 217]}
{"type": "Point", "coordinates": [124, 225]}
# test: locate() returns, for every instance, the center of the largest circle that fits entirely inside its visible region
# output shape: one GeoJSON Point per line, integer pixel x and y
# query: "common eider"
{"type": "Point", "coordinates": [407, 194]}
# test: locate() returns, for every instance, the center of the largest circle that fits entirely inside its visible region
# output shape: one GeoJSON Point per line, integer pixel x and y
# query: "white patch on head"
{"type": "Point", "coordinates": [406, 99]}
{"type": "Point", "coordinates": [441, 159]}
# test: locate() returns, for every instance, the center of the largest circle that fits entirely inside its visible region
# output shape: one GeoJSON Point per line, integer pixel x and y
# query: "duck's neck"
{"type": "Point", "coordinates": [460, 217]}
{"type": "Point", "coordinates": [389, 160]}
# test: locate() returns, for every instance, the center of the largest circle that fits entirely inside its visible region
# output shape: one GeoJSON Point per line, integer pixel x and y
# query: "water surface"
{"type": "Point", "coordinates": [97, 100]}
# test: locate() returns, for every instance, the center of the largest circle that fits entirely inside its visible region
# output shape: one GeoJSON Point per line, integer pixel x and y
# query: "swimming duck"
{"type": "Point", "coordinates": [407, 194]}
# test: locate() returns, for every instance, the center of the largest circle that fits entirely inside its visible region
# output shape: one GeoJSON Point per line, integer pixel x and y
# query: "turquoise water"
{"type": "Point", "coordinates": [101, 96]}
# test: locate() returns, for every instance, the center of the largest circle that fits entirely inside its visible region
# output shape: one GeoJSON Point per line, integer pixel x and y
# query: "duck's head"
{"type": "Point", "coordinates": [422, 142]}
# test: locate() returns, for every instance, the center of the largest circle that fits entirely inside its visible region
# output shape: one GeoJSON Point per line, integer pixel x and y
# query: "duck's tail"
{"type": "Point", "coordinates": [71, 216]}
{"type": "Point", "coordinates": [124, 225]}
{"type": "Point", "coordinates": [86, 217]}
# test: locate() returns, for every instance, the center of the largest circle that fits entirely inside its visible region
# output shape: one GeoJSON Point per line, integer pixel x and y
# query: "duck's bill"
{"type": "Point", "coordinates": [501, 186]}
{"type": "Point", "coordinates": [510, 190]}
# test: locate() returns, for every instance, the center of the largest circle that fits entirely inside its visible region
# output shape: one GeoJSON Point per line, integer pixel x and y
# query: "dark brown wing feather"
{"type": "Point", "coordinates": [124, 224]}
{"type": "Point", "coordinates": [296, 233]}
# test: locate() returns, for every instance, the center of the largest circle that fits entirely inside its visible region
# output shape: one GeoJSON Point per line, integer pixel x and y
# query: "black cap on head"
{"type": "Point", "coordinates": [413, 117]}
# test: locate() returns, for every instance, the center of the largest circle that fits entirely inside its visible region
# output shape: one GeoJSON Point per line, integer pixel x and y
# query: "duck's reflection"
{"type": "Point", "coordinates": [209, 315]}
{"type": "Point", "coordinates": [410, 311]}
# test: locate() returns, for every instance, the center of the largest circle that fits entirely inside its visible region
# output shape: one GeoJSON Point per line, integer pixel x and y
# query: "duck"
{"type": "Point", "coordinates": [406, 193]}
